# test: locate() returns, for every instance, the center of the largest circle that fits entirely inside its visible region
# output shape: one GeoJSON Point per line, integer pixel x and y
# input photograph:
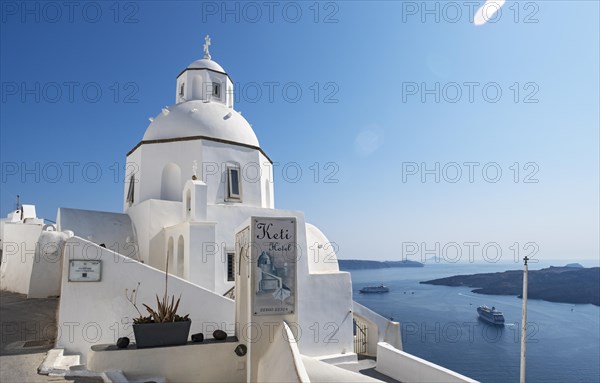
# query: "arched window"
{"type": "Point", "coordinates": [170, 187]}
{"type": "Point", "coordinates": [216, 90]}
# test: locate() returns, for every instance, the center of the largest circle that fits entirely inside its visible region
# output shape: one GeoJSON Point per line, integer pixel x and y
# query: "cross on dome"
{"type": "Point", "coordinates": [206, 45]}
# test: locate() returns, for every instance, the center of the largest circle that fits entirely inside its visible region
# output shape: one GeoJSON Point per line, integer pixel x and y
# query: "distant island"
{"type": "Point", "coordinates": [568, 284]}
{"type": "Point", "coordinates": [575, 265]}
{"type": "Point", "coordinates": [357, 264]}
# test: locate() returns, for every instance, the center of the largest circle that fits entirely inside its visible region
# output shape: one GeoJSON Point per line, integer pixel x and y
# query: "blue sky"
{"type": "Point", "coordinates": [388, 90]}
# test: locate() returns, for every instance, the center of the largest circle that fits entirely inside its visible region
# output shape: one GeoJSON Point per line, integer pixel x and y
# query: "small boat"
{"type": "Point", "coordinates": [491, 315]}
{"type": "Point", "coordinates": [375, 289]}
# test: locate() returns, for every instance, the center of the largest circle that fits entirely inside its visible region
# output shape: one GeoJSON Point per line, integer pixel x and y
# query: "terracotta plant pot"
{"type": "Point", "coordinates": [161, 334]}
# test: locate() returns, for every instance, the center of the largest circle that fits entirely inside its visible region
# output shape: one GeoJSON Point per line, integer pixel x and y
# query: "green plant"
{"type": "Point", "coordinates": [165, 312]}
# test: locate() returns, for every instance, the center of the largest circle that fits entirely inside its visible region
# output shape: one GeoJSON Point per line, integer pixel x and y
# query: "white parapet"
{"type": "Point", "coordinates": [96, 312]}
{"type": "Point", "coordinates": [379, 329]}
{"type": "Point", "coordinates": [209, 361]}
{"type": "Point", "coordinates": [282, 361]}
{"type": "Point", "coordinates": [408, 368]}
{"type": "Point", "coordinates": [19, 245]}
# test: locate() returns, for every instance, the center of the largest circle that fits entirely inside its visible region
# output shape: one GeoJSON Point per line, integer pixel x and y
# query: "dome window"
{"type": "Point", "coordinates": [216, 90]}
{"type": "Point", "coordinates": [234, 186]}
{"type": "Point", "coordinates": [130, 190]}
{"type": "Point", "coordinates": [181, 89]}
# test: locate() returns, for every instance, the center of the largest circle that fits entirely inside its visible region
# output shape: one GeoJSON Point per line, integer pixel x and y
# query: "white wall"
{"type": "Point", "coordinates": [2, 220]}
{"type": "Point", "coordinates": [198, 86]}
{"type": "Point", "coordinates": [212, 157]}
{"type": "Point", "coordinates": [201, 362]}
{"type": "Point", "coordinates": [319, 371]}
{"type": "Point", "coordinates": [324, 298]}
{"type": "Point", "coordinates": [326, 301]}
{"type": "Point", "coordinates": [114, 230]}
{"type": "Point", "coordinates": [28, 211]}
{"type": "Point", "coordinates": [46, 271]}
{"type": "Point", "coordinates": [194, 201]}
{"type": "Point", "coordinates": [320, 251]}
{"type": "Point", "coordinates": [324, 295]}
{"type": "Point", "coordinates": [18, 255]}
{"type": "Point", "coordinates": [408, 368]}
{"type": "Point", "coordinates": [282, 361]}
{"type": "Point", "coordinates": [98, 312]}
{"type": "Point", "coordinates": [268, 186]}
{"type": "Point", "coordinates": [149, 219]}
{"type": "Point", "coordinates": [325, 315]}
{"type": "Point", "coordinates": [229, 218]}
{"type": "Point", "coordinates": [198, 258]}
{"type": "Point", "coordinates": [251, 162]}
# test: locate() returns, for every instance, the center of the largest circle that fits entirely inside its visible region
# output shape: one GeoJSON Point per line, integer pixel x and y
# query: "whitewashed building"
{"type": "Point", "coordinates": [197, 190]}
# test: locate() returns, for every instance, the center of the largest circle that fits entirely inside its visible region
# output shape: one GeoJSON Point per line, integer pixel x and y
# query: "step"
{"type": "Point", "coordinates": [338, 358]}
{"type": "Point", "coordinates": [56, 363]}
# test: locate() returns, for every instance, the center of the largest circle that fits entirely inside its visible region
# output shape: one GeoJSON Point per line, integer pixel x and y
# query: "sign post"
{"type": "Point", "coordinates": [524, 322]}
{"type": "Point", "coordinates": [265, 284]}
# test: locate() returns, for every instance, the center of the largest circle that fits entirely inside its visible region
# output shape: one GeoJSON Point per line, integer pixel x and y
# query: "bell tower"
{"type": "Point", "coordinates": [205, 80]}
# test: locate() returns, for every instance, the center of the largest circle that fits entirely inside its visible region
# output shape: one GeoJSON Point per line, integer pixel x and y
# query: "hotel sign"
{"type": "Point", "coordinates": [85, 271]}
{"type": "Point", "coordinates": [274, 261]}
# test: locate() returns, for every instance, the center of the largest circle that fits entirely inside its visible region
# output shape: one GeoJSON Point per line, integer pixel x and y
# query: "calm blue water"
{"type": "Point", "coordinates": [440, 324]}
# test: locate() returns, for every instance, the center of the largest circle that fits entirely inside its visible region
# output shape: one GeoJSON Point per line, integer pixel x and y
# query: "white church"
{"type": "Point", "coordinates": [198, 202]}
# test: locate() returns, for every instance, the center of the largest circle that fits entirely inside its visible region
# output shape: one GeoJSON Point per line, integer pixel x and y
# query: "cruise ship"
{"type": "Point", "coordinates": [375, 289]}
{"type": "Point", "coordinates": [490, 315]}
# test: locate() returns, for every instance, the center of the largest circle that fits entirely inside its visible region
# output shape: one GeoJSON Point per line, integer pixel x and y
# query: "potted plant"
{"type": "Point", "coordinates": [163, 326]}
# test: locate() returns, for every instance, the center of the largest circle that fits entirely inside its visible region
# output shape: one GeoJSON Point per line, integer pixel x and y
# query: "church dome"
{"type": "Point", "coordinates": [206, 64]}
{"type": "Point", "coordinates": [199, 118]}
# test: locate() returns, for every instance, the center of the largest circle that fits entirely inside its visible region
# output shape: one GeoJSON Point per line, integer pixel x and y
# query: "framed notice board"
{"type": "Point", "coordinates": [85, 271]}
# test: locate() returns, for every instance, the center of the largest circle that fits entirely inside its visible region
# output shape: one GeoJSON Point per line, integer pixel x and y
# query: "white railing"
{"type": "Point", "coordinates": [379, 329]}
{"type": "Point", "coordinates": [408, 368]}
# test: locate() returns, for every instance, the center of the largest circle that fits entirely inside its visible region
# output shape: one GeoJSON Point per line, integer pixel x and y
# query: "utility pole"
{"type": "Point", "coordinates": [524, 321]}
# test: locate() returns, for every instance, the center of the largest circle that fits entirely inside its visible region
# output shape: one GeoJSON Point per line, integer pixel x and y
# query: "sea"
{"type": "Point", "coordinates": [440, 324]}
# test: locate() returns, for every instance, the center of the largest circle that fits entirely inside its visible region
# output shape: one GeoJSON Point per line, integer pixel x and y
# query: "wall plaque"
{"type": "Point", "coordinates": [85, 271]}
